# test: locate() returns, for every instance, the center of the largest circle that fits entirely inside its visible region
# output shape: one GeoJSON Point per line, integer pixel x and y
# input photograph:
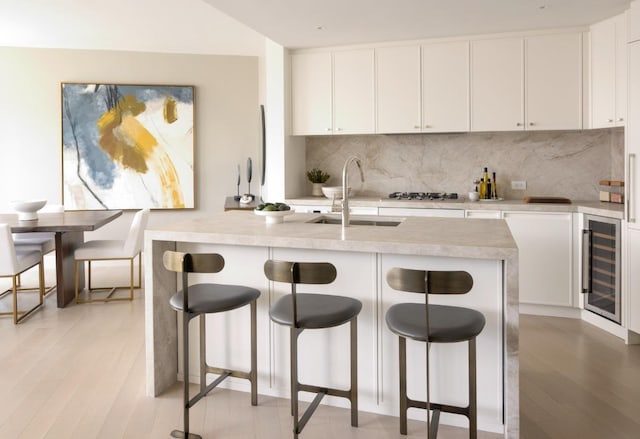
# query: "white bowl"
{"type": "Point", "coordinates": [334, 192]}
{"type": "Point", "coordinates": [273, 216]}
{"type": "Point", "coordinates": [27, 209]}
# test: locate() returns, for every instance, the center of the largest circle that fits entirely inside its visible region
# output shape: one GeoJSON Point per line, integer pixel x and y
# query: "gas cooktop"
{"type": "Point", "coordinates": [433, 196]}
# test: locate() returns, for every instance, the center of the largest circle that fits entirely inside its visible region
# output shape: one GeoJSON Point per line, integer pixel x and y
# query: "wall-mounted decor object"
{"type": "Point", "coordinates": [127, 146]}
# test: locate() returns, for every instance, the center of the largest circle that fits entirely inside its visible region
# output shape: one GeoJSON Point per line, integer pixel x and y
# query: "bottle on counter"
{"type": "Point", "coordinates": [494, 188]}
{"type": "Point", "coordinates": [488, 192]}
{"type": "Point", "coordinates": [484, 194]}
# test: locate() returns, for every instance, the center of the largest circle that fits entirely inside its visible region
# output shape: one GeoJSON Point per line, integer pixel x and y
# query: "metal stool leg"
{"type": "Point", "coordinates": [473, 405]}
{"type": "Point", "coordinates": [203, 352]}
{"type": "Point", "coordinates": [404, 403]}
{"type": "Point", "coordinates": [185, 361]}
{"type": "Point", "coordinates": [253, 375]}
{"type": "Point", "coordinates": [353, 393]}
{"type": "Point", "coordinates": [295, 332]}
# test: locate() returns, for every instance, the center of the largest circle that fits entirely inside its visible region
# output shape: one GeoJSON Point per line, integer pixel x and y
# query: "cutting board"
{"type": "Point", "coordinates": [556, 200]}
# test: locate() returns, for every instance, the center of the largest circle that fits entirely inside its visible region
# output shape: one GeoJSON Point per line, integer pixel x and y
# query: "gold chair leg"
{"type": "Point", "coordinates": [15, 301]}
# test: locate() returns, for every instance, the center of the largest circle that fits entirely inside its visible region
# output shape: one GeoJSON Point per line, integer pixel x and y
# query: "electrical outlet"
{"type": "Point", "coordinates": [518, 185]}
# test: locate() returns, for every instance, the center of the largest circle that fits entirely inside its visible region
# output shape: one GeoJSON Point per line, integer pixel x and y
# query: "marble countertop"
{"type": "Point", "coordinates": [611, 210]}
{"type": "Point", "coordinates": [452, 237]}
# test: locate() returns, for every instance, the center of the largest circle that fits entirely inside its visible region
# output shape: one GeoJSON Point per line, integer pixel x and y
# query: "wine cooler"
{"type": "Point", "coordinates": [601, 266]}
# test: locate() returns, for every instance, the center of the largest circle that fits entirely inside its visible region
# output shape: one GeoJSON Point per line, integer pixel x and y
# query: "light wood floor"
{"type": "Point", "coordinates": [79, 373]}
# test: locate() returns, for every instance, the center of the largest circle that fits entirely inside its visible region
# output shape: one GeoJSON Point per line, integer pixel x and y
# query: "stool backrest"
{"type": "Point", "coordinates": [299, 273]}
{"type": "Point", "coordinates": [431, 281]}
{"type": "Point", "coordinates": [181, 262]}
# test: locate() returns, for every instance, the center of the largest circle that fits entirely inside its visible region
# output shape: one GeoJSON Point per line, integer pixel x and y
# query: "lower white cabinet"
{"type": "Point", "coordinates": [545, 247]}
{"type": "Point", "coordinates": [633, 280]}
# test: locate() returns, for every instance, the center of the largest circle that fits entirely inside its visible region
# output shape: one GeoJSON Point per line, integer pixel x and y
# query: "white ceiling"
{"type": "Point", "coordinates": [239, 26]}
{"type": "Point", "coordinates": [294, 23]}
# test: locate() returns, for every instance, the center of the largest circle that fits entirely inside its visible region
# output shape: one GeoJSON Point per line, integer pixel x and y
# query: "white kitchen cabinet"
{"type": "Point", "coordinates": [633, 280]}
{"type": "Point", "coordinates": [553, 90]}
{"type": "Point", "coordinates": [353, 92]}
{"type": "Point", "coordinates": [311, 90]}
{"type": "Point", "coordinates": [497, 85]}
{"type": "Point", "coordinates": [421, 211]}
{"type": "Point", "coordinates": [608, 73]}
{"type": "Point", "coordinates": [445, 87]}
{"type": "Point", "coordinates": [632, 144]}
{"type": "Point", "coordinates": [398, 89]}
{"type": "Point", "coordinates": [545, 247]}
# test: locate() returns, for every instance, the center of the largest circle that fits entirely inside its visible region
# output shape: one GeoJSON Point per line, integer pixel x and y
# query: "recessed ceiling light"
{"type": "Point", "coordinates": [319, 27]}
{"type": "Point", "coordinates": [541, 7]}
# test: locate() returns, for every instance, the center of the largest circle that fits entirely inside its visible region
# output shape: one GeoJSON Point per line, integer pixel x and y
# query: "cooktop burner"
{"type": "Point", "coordinates": [423, 196]}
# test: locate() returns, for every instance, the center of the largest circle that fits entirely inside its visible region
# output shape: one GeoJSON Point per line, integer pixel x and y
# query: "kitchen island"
{"type": "Point", "coordinates": [485, 248]}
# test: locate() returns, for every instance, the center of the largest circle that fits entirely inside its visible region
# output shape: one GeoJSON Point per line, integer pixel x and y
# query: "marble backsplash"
{"type": "Point", "coordinates": [553, 163]}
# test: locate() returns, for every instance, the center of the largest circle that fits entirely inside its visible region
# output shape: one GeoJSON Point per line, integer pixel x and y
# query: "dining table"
{"type": "Point", "coordinates": [69, 228]}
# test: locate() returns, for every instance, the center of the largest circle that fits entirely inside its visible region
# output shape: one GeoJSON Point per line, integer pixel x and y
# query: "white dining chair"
{"type": "Point", "coordinates": [108, 250]}
{"type": "Point", "coordinates": [13, 262]}
{"type": "Point", "coordinates": [44, 242]}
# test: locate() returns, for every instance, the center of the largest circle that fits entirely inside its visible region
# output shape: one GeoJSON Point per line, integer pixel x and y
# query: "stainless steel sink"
{"type": "Point", "coordinates": [384, 222]}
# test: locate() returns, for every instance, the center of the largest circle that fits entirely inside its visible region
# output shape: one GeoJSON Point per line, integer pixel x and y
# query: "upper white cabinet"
{"type": "Point", "coordinates": [311, 91]}
{"type": "Point", "coordinates": [553, 85]}
{"type": "Point", "coordinates": [496, 85]}
{"type": "Point", "coordinates": [353, 92]}
{"type": "Point", "coordinates": [608, 73]}
{"type": "Point", "coordinates": [502, 84]}
{"type": "Point", "coordinates": [445, 87]}
{"type": "Point", "coordinates": [532, 83]}
{"type": "Point", "coordinates": [398, 89]}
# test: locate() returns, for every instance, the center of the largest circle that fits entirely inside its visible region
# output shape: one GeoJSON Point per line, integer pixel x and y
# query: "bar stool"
{"type": "Point", "coordinates": [207, 298]}
{"type": "Point", "coordinates": [437, 324]}
{"type": "Point", "coordinates": [313, 311]}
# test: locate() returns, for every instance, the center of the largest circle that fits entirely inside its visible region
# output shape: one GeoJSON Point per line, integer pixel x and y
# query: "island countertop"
{"type": "Point", "coordinates": [454, 237]}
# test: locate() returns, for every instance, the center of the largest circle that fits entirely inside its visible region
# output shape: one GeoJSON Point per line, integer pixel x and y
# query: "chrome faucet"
{"type": "Point", "coordinates": [345, 190]}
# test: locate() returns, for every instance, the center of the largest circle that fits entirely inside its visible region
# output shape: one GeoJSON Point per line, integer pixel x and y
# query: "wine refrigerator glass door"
{"type": "Point", "coordinates": [601, 266]}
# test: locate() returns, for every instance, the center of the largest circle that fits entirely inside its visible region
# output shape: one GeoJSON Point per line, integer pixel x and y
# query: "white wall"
{"type": "Point", "coordinates": [226, 118]}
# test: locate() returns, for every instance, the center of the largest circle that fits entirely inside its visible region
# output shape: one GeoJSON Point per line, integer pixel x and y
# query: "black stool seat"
{"type": "Point", "coordinates": [212, 298]}
{"type": "Point", "coordinates": [447, 324]}
{"type": "Point", "coordinates": [315, 310]}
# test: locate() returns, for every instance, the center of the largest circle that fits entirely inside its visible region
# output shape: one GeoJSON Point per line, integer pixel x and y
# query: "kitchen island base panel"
{"type": "Point", "coordinates": [359, 276]}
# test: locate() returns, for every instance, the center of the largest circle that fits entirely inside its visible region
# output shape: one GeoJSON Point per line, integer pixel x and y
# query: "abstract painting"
{"type": "Point", "coordinates": [127, 146]}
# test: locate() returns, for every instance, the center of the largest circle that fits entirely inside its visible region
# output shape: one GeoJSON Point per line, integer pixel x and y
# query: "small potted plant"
{"type": "Point", "coordinates": [318, 178]}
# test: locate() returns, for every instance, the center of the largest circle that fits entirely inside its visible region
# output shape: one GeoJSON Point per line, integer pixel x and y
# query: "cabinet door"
{"type": "Point", "coordinates": [398, 89]}
{"type": "Point", "coordinates": [497, 85]}
{"type": "Point", "coordinates": [633, 280]}
{"type": "Point", "coordinates": [632, 143]}
{"type": "Point", "coordinates": [445, 87]}
{"type": "Point", "coordinates": [554, 82]}
{"type": "Point", "coordinates": [545, 256]}
{"type": "Point", "coordinates": [603, 77]}
{"type": "Point", "coordinates": [621, 70]}
{"type": "Point", "coordinates": [353, 92]}
{"type": "Point", "coordinates": [311, 93]}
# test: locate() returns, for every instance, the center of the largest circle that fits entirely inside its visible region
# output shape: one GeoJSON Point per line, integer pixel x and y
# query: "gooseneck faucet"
{"type": "Point", "coordinates": [345, 190]}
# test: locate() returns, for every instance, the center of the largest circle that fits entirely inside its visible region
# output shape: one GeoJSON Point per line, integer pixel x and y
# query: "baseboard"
{"type": "Point", "coordinates": [550, 311]}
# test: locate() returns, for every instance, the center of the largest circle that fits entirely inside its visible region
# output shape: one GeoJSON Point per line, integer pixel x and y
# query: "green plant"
{"type": "Point", "coordinates": [317, 176]}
